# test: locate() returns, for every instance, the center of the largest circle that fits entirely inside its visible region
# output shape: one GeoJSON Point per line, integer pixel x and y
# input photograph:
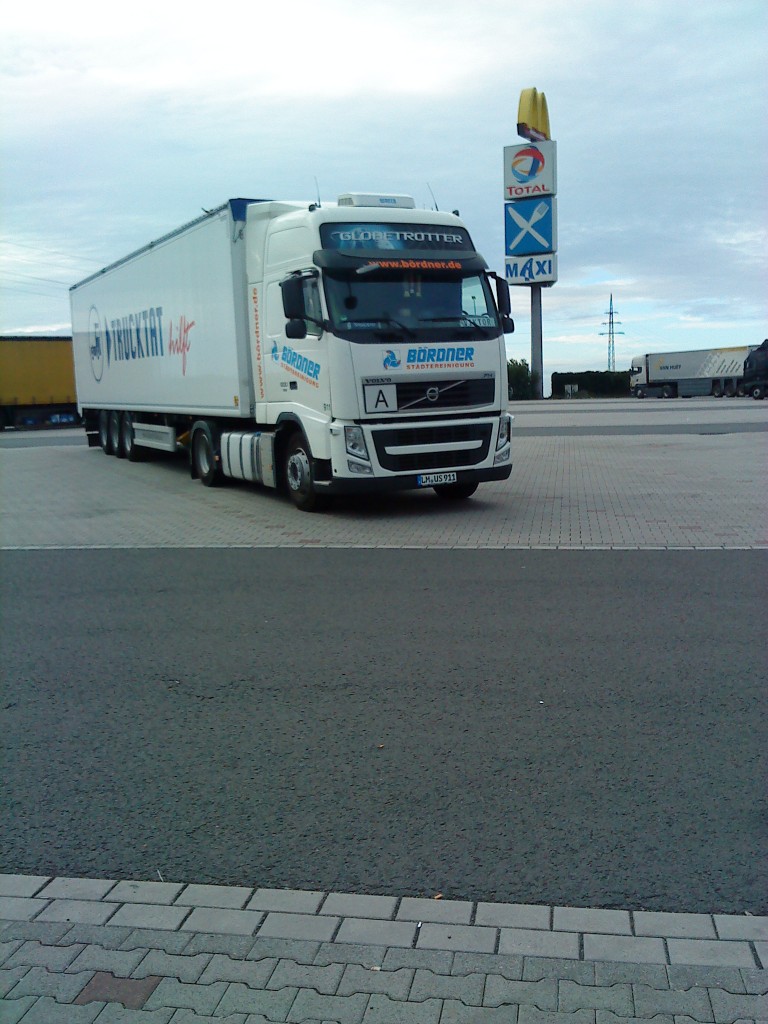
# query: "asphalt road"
{"type": "Point", "coordinates": [572, 727]}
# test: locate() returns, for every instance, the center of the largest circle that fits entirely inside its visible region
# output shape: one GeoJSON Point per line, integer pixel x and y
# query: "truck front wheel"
{"type": "Point", "coordinates": [297, 470]}
{"type": "Point", "coordinates": [758, 391]}
{"type": "Point", "coordinates": [639, 392]}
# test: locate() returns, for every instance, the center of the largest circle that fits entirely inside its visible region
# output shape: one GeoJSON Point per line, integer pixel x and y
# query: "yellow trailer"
{"type": "Point", "coordinates": [37, 381]}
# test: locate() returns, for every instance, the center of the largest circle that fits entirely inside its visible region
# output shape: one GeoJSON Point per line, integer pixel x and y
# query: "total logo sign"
{"type": "Point", "coordinates": [530, 170]}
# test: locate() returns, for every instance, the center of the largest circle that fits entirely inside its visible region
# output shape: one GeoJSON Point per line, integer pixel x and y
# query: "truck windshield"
{"type": "Point", "coordinates": [365, 307]}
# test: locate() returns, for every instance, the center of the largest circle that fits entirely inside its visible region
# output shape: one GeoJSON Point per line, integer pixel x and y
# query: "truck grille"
{"type": "Point", "coordinates": [445, 394]}
{"type": "Point", "coordinates": [477, 437]}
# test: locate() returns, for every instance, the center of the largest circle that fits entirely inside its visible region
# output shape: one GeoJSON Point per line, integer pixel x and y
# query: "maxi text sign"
{"type": "Point", "coordinates": [532, 269]}
{"type": "Point", "coordinates": [530, 170]}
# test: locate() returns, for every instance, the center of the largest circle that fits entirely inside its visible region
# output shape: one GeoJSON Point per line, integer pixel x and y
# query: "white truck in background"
{"type": "Point", "coordinates": [320, 349]}
{"type": "Point", "coordinates": [707, 371]}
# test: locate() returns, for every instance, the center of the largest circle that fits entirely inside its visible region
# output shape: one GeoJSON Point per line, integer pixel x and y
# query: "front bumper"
{"type": "Point", "coordinates": [408, 482]}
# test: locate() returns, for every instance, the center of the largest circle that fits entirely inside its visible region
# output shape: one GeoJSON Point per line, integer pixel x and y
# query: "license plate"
{"type": "Point", "coordinates": [430, 479]}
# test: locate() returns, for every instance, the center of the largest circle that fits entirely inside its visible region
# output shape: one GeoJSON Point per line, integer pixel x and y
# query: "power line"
{"type": "Point", "coordinates": [49, 252]}
{"type": "Point", "coordinates": [611, 332]}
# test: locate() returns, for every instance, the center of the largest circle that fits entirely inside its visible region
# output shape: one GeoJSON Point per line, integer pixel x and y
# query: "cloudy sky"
{"type": "Point", "coordinates": [121, 123]}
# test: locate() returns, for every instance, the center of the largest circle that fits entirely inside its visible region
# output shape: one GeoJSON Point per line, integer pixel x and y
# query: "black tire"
{"type": "Point", "coordinates": [131, 450]}
{"type": "Point", "coordinates": [639, 392]}
{"type": "Point", "coordinates": [205, 466]}
{"type": "Point", "coordinates": [298, 476]}
{"type": "Point", "coordinates": [115, 440]}
{"type": "Point", "coordinates": [104, 432]}
{"type": "Point", "coordinates": [757, 391]}
{"type": "Point", "coordinates": [730, 390]}
{"type": "Point", "coordinates": [455, 492]}
{"type": "Point", "coordinates": [717, 390]}
{"type": "Point", "coordinates": [740, 391]}
{"type": "Point", "coordinates": [667, 391]}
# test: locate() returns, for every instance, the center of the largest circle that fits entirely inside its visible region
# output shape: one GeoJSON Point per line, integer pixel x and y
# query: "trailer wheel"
{"type": "Point", "coordinates": [104, 432]}
{"type": "Point", "coordinates": [455, 492]}
{"type": "Point", "coordinates": [758, 391]}
{"type": "Point", "coordinates": [717, 390]}
{"type": "Point", "coordinates": [297, 469]}
{"type": "Point", "coordinates": [740, 391]}
{"type": "Point", "coordinates": [667, 391]}
{"type": "Point", "coordinates": [115, 440]}
{"type": "Point", "coordinates": [205, 465]}
{"type": "Point", "coordinates": [132, 451]}
{"type": "Point", "coordinates": [730, 390]}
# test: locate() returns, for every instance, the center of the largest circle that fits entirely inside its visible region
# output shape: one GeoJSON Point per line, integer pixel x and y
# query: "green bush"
{"type": "Point", "coordinates": [521, 383]}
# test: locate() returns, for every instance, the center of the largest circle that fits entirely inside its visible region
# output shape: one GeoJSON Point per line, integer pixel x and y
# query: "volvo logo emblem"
{"type": "Point", "coordinates": [433, 394]}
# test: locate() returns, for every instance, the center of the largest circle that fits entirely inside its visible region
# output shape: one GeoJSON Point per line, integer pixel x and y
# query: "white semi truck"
{"type": "Point", "coordinates": [321, 349]}
{"type": "Point", "coordinates": [707, 371]}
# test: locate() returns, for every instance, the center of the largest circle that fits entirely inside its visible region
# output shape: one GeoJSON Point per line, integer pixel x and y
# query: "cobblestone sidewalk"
{"type": "Point", "coordinates": [98, 950]}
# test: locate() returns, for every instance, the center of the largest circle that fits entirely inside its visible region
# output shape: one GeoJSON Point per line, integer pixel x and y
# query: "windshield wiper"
{"type": "Point", "coordinates": [473, 318]}
{"type": "Point", "coordinates": [374, 324]}
{"type": "Point", "coordinates": [396, 323]}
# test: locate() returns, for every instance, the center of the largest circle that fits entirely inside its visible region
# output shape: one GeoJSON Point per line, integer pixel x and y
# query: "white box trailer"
{"type": "Point", "coordinates": [707, 371]}
{"type": "Point", "coordinates": [325, 349]}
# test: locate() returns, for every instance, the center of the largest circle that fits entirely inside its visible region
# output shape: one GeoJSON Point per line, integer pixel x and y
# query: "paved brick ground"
{"type": "Point", "coordinates": [647, 491]}
{"type": "Point", "coordinates": [269, 955]}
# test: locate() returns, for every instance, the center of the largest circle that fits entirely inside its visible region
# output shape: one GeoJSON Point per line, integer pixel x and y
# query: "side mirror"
{"type": "Point", "coordinates": [293, 298]}
{"type": "Point", "coordinates": [507, 325]}
{"type": "Point", "coordinates": [296, 329]}
{"type": "Point", "coordinates": [503, 300]}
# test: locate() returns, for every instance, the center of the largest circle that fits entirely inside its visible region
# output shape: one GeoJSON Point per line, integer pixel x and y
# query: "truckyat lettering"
{"type": "Point", "coordinates": [180, 344]}
{"type": "Point", "coordinates": [444, 358]}
{"type": "Point", "coordinates": [135, 336]}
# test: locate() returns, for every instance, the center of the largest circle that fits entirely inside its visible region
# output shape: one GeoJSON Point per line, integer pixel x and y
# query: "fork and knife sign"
{"type": "Point", "coordinates": [526, 225]}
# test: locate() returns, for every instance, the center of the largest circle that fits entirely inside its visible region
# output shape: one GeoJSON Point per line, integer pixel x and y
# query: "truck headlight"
{"type": "Point", "coordinates": [504, 429]}
{"type": "Point", "coordinates": [355, 443]}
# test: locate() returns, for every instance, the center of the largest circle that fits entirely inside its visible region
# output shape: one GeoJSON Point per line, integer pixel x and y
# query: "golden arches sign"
{"type": "Point", "coordinates": [533, 116]}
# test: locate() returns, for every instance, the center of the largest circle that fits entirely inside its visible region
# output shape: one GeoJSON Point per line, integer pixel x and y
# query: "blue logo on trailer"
{"type": "Point", "coordinates": [94, 343]}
